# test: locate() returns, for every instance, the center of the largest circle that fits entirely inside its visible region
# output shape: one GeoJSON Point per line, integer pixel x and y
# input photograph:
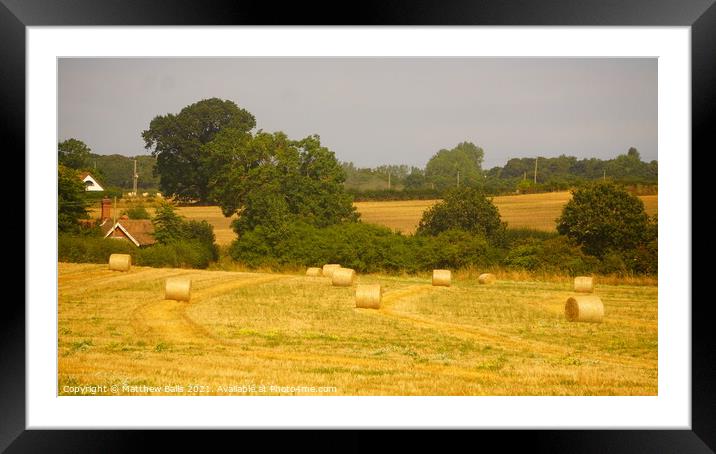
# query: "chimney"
{"type": "Point", "coordinates": [106, 209]}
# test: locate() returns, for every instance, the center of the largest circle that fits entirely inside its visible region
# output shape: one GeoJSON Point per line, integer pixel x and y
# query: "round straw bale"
{"type": "Point", "coordinates": [368, 295]}
{"type": "Point", "coordinates": [442, 277]}
{"type": "Point", "coordinates": [329, 269]}
{"type": "Point", "coordinates": [583, 284]}
{"type": "Point", "coordinates": [343, 277]}
{"type": "Point", "coordinates": [120, 262]}
{"type": "Point", "coordinates": [177, 289]}
{"type": "Point", "coordinates": [486, 278]}
{"type": "Point", "coordinates": [314, 272]}
{"type": "Point", "coordinates": [584, 308]}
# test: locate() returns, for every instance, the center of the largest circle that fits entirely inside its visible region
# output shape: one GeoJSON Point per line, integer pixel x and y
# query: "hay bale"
{"type": "Point", "coordinates": [486, 278]}
{"type": "Point", "coordinates": [583, 284]}
{"type": "Point", "coordinates": [120, 262]}
{"type": "Point", "coordinates": [368, 296]}
{"type": "Point", "coordinates": [178, 289]}
{"type": "Point", "coordinates": [442, 277]}
{"type": "Point", "coordinates": [314, 272]}
{"type": "Point", "coordinates": [343, 277]}
{"type": "Point", "coordinates": [329, 269]}
{"type": "Point", "coordinates": [584, 308]}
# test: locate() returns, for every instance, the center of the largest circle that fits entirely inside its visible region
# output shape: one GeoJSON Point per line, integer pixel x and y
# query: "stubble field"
{"type": "Point", "coordinates": [258, 329]}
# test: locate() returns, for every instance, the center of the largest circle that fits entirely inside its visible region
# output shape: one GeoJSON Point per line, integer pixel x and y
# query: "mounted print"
{"type": "Point", "coordinates": [358, 226]}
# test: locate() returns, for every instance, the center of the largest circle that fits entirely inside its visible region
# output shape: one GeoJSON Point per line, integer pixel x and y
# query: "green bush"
{"type": "Point", "coordinates": [519, 236]}
{"type": "Point", "coordinates": [88, 249]}
{"type": "Point", "coordinates": [179, 254]}
{"type": "Point", "coordinates": [603, 217]}
{"type": "Point", "coordinates": [363, 247]}
{"type": "Point", "coordinates": [137, 212]}
{"type": "Point", "coordinates": [465, 209]}
{"type": "Point", "coordinates": [556, 254]}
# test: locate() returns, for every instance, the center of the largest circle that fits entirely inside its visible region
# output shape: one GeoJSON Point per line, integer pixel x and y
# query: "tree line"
{"type": "Point", "coordinates": [185, 156]}
{"type": "Point", "coordinates": [461, 166]}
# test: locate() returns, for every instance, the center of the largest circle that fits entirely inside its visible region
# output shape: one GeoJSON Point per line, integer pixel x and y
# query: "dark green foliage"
{"type": "Point", "coordinates": [516, 236]}
{"type": "Point", "coordinates": [178, 142]}
{"type": "Point", "coordinates": [453, 249]}
{"type": "Point", "coordinates": [116, 170]}
{"type": "Point", "coordinates": [371, 248]}
{"type": "Point", "coordinates": [271, 180]}
{"type": "Point", "coordinates": [466, 158]}
{"type": "Point", "coordinates": [363, 247]}
{"type": "Point", "coordinates": [602, 217]}
{"type": "Point", "coordinates": [71, 203]}
{"type": "Point", "coordinates": [178, 254]}
{"type": "Point", "coordinates": [74, 154]}
{"type": "Point", "coordinates": [168, 225]}
{"type": "Point", "coordinates": [465, 209]}
{"type": "Point", "coordinates": [184, 237]}
{"type": "Point", "coordinates": [137, 212]}
{"type": "Point", "coordinates": [556, 254]}
{"type": "Point", "coordinates": [89, 249]}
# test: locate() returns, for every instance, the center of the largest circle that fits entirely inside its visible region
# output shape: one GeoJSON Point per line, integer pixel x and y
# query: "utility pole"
{"type": "Point", "coordinates": [604, 176]}
{"type": "Point", "coordinates": [389, 180]}
{"type": "Point", "coordinates": [536, 169]}
{"type": "Point", "coordinates": [134, 177]}
{"type": "Point", "coordinates": [114, 211]}
{"type": "Point", "coordinates": [458, 178]}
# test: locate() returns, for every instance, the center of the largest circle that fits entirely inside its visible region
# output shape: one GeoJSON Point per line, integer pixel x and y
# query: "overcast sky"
{"type": "Point", "coordinates": [376, 111]}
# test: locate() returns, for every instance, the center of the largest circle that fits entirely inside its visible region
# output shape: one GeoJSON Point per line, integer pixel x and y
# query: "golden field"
{"type": "Point", "coordinates": [537, 211]}
{"type": "Point", "coordinates": [259, 329]}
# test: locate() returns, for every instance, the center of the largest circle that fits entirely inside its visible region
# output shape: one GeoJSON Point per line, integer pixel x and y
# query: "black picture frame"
{"type": "Point", "coordinates": [700, 15]}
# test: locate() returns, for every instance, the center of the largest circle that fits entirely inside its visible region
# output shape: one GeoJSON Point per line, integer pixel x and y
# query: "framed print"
{"type": "Point", "coordinates": [409, 218]}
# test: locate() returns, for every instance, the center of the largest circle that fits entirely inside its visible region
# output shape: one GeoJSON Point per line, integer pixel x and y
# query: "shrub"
{"type": "Point", "coordinates": [555, 254]}
{"type": "Point", "coordinates": [137, 212]}
{"type": "Point", "coordinates": [603, 217]}
{"type": "Point", "coordinates": [519, 236]}
{"type": "Point", "coordinates": [465, 209]}
{"type": "Point", "coordinates": [88, 249]}
{"type": "Point", "coordinates": [363, 247]}
{"type": "Point", "coordinates": [71, 204]}
{"type": "Point", "coordinates": [178, 254]}
{"type": "Point", "coordinates": [170, 228]}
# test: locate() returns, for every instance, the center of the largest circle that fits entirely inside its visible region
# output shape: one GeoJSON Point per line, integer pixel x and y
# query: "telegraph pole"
{"type": "Point", "coordinates": [604, 175]}
{"type": "Point", "coordinates": [458, 178]}
{"type": "Point", "coordinates": [536, 169]}
{"type": "Point", "coordinates": [389, 180]}
{"type": "Point", "coordinates": [114, 212]}
{"type": "Point", "coordinates": [134, 177]}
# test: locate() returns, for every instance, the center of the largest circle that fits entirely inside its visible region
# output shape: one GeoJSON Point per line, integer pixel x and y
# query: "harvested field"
{"type": "Point", "coordinates": [283, 330]}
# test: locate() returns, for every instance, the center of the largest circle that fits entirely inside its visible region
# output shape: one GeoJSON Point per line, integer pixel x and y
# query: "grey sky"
{"type": "Point", "coordinates": [376, 111]}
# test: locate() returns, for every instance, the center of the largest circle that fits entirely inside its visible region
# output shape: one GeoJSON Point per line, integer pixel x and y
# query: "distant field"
{"type": "Point", "coordinates": [252, 329]}
{"type": "Point", "coordinates": [537, 211]}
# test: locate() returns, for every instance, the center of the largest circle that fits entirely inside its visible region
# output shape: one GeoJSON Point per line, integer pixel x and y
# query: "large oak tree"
{"type": "Point", "coordinates": [270, 180]}
{"type": "Point", "coordinates": [177, 141]}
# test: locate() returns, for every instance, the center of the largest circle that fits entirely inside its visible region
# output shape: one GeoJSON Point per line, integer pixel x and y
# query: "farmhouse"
{"type": "Point", "coordinates": [139, 232]}
{"type": "Point", "coordinates": [90, 183]}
